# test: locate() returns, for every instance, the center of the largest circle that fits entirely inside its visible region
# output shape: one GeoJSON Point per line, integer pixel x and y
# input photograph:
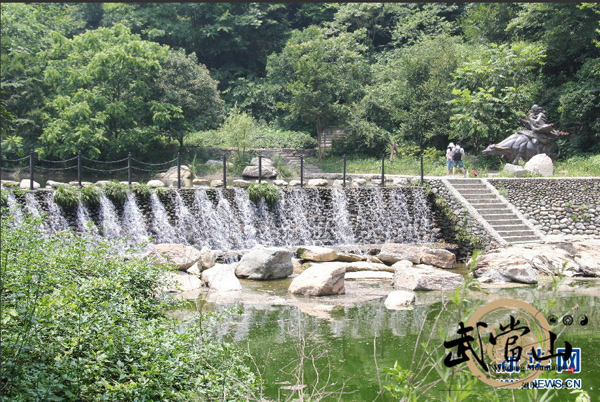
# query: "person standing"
{"type": "Point", "coordinates": [457, 155]}
{"type": "Point", "coordinates": [449, 163]}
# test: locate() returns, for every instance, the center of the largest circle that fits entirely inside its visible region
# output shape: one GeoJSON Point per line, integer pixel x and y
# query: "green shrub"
{"type": "Point", "coordinates": [66, 196]}
{"type": "Point", "coordinates": [90, 195]}
{"type": "Point", "coordinates": [81, 323]}
{"type": "Point", "coordinates": [116, 192]}
{"type": "Point", "coordinates": [270, 193]}
{"type": "Point", "coordinates": [143, 190]}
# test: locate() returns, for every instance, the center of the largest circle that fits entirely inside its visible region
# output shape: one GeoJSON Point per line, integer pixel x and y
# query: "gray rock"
{"type": "Point", "coordinates": [264, 162]}
{"type": "Point", "coordinates": [267, 171]}
{"type": "Point", "coordinates": [394, 252]}
{"type": "Point", "coordinates": [368, 266]}
{"type": "Point", "coordinates": [359, 182]}
{"type": "Point", "coordinates": [438, 257]}
{"type": "Point", "coordinates": [368, 276]}
{"type": "Point", "coordinates": [26, 184]}
{"type": "Point", "coordinates": [318, 183]}
{"type": "Point", "coordinates": [207, 258]}
{"type": "Point", "coordinates": [280, 183]}
{"type": "Point", "coordinates": [200, 182]}
{"type": "Point", "coordinates": [402, 264]}
{"type": "Point", "coordinates": [194, 270]}
{"type": "Point", "coordinates": [184, 282]}
{"type": "Point", "coordinates": [241, 183]}
{"type": "Point", "coordinates": [399, 299]}
{"type": "Point", "coordinates": [212, 162]}
{"type": "Point", "coordinates": [318, 254]}
{"type": "Point", "coordinates": [294, 183]}
{"type": "Point", "coordinates": [9, 183]}
{"type": "Point", "coordinates": [320, 280]}
{"type": "Point", "coordinates": [155, 183]}
{"type": "Point", "coordinates": [177, 254]}
{"type": "Point", "coordinates": [55, 184]}
{"type": "Point", "coordinates": [221, 278]}
{"type": "Point", "coordinates": [216, 183]}
{"type": "Point", "coordinates": [512, 271]}
{"type": "Point", "coordinates": [349, 257]}
{"type": "Point", "coordinates": [540, 164]}
{"type": "Point", "coordinates": [170, 176]}
{"type": "Point", "coordinates": [102, 183]}
{"type": "Point", "coordinates": [425, 277]}
{"type": "Point", "coordinates": [514, 170]}
{"type": "Point", "coordinates": [262, 263]}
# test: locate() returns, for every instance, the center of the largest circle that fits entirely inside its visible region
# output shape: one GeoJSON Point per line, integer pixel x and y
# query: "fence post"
{"type": "Point", "coordinates": [79, 168]}
{"type": "Point", "coordinates": [178, 169]}
{"type": "Point", "coordinates": [31, 161]}
{"type": "Point", "coordinates": [129, 168]}
{"type": "Point", "coordinates": [301, 171]}
{"type": "Point", "coordinates": [422, 167]}
{"type": "Point", "coordinates": [344, 175]}
{"type": "Point", "coordinates": [259, 168]}
{"type": "Point", "coordinates": [383, 170]}
{"type": "Point", "coordinates": [224, 170]}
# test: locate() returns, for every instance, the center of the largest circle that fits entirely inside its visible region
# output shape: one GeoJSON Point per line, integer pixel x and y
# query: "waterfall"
{"type": "Point", "coordinates": [85, 224]}
{"type": "Point", "coordinates": [14, 208]}
{"type": "Point", "coordinates": [229, 220]}
{"type": "Point", "coordinates": [164, 232]}
{"type": "Point", "coordinates": [134, 223]}
{"type": "Point", "coordinates": [111, 228]}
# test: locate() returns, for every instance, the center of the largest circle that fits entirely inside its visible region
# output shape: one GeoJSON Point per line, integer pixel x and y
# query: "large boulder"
{"type": "Point", "coordinates": [320, 280]}
{"type": "Point", "coordinates": [517, 270]}
{"type": "Point", "coordinates": [170, 176]}
{"type": "Point", "coordinates": [399, 299]}
{"type": "Point", "coordinates": [241, 183]}
{"type": "Point", "coordinates": [268, 171]}
{"type": "Point", "coordinates": [262, 263]}
{"type": "Point", "coordinates": [26, 184]}
{"type": "Point", "coordinates": [513, 170]}
{"type": "Point", "coordinates": [438, 257]}
{"type": "Point", "coordinates": [155, 183]}
{"type": "Point", "coordinates": [316, 253]}
{"type": "Point", "coordinates": [393, 252]}
{"type": "Point", "coordinates": [402, 264]}
{"type": "Point", "coordinates": [540, 164]}
{"type": "Point", "coordinates": [207, 258]}
{"type": "Point", "coordinates": [221, 278]}
{"type": "Point", "coordinates": [177, 254]}
{"type": "Point", "coordinates": [369, 276]}
{"type": "Point", "coordinates": [425, 277]}
{"type": "Point", "coordinates": [318, 183]}
{"type": "Point", "coordinates": [264, 162]}
{"type": "Point", "coordinates": [349, 257]}
{"type": "Point", "coordinates": [368, 266]}
{"type": "Point", "coordinates": [184, 282]}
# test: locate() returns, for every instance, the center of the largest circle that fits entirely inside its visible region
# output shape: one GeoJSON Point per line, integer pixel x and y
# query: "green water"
{"type": "Point", "coordinates": [350, 343]}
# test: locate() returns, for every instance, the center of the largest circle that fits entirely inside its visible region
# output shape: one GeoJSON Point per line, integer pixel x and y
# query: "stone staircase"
{"type": "Point", "coordinates": [291, 158]}
{"type": "Point", "coordinates": [498, 213]}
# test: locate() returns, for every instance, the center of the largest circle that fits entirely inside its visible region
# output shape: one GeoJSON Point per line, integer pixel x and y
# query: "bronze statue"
{"type": "Point", "coordinates": [538, 137]}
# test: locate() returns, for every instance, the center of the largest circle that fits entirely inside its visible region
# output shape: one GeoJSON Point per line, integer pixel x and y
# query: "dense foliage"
{"type": "Point", "coordinates": [105, 78]}
{"type": "Point", "coordinates": [81, 323]}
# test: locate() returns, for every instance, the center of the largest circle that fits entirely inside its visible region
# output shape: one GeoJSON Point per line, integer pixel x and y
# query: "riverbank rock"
{"type": "Point", "coordinates": [402, 264]}
{"type": "Point", "coordinates": [320, 280]}
{"type": "Point", "coordinates": [241, 183]}
{"type": "Point", "coordinates": [316, 253]}
{"type": "Point", "coordinates": [317, 183]}
{"type": "Point", "coordinates": [221, 278]}
{"type": "Point", "coordinates": [513, 170]}
{"type": "Point", "coordinates": [570, 257]}
{"type": "Point", "coordinates": [262, 263]}
{"type": "Point", "coordinates": [349, 257]}
{"type": "Point", "coordinates": [207, 258]}
{"type": "Point", "coordinates": [216, 183]}
{"type": "Point", "coordinates": [509, 270]}
{"type": "Point", "coordinates": [170, 176]}
{"type": "Point", "coordinates": [155, 183]}
{"type": "Point", "coordinates": [359, 182]}
{"type": "Point", "coordinates": [264, 161]}
{"type": "Point", "coordinates": [540, 164]}
{"type": "Point", "coordinates": [200, 182]}
{"type": "Point", "coordinates": [425, 277]}
{"type": "Point", "coordinates": [184, 282]}
{"type": "Point", "coordinates": [268, 171]}
{"type": "Point", "coordinates": [368, 266]}
{"type": "Point", "coordinates": [394, 252]}
{"type": "Point", "coordinates": [369, 276]}
{"type": "Point", "coordinates": [55, 184]}
{"type": "Point", "coordinates": [178, 254]}
{"type": "Point", "coordinates": [438, 257]}
{"type": "Point", "coordinates": [9, 183]}
{"type": "Point", "coordinates": [26, 184]}
{"type": "Point", "coordinates": [399, 299]}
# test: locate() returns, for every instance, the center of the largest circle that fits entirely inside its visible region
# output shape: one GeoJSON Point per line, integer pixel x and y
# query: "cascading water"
{"type": "Point", "coordinates": [14, 208]}
{"type": "Point", "coordinates": [228, 219]}
{"type": "Point", "coordinates": [134, 223]}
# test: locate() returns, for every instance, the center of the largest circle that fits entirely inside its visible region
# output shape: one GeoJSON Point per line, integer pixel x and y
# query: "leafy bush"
{"type": "Point", "coordinates": [81, 323]}
{"type": "Point", "coordinates": [270, 193]}
{"type": "Point", "coordinates": [90, 195]}
{"type": "Point", "coordinates": [116, 192]}
{"type": "Point", "coordinates": [142, 190]}
{"type": "Point", "coordinates": [66, 196]}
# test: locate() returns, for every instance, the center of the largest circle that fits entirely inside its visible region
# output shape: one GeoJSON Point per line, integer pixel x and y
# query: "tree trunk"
{"type": "Point", "coordinates": [392, 151]}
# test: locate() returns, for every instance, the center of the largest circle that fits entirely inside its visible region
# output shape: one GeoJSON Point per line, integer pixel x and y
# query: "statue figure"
{"type": "Point", "coordinates": [537, 137]}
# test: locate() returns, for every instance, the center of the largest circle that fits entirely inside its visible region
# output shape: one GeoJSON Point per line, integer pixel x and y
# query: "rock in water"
{"type": "Point", "coordinates": [393, 252]}
{"type": "Point", "coordinates": [399, 299]}
{"type": "Point", "coordinates": [318, 254]}
{"type": "Point", "coordinates": [262, 263]}
{"type": "Point", "coordinates": [320, 280]}
{"type": "Point", "coordinates": [438, 257]}
{"type": "Point", "coordinates": [177, 254]}
{"type": "Point", "coordinates": [425, 277]}
{"type": "Point", "coordinates": [221, 278]}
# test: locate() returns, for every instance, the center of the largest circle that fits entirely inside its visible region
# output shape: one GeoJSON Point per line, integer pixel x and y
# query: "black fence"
{"type": "Point", "coordinates": [82, 163]}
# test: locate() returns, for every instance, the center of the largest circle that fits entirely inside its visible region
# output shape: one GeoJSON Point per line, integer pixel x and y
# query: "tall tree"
{"type": "Point", "coordinates": [318, 77]}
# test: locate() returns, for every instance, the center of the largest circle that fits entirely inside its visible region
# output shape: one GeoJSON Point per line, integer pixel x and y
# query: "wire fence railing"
{"type": "Point", "coordinates": [81, 163]}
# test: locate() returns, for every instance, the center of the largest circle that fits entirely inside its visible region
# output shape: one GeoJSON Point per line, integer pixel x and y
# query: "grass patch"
{"type": "Point", "coordinates": [584, 165]}
{"type": "Point", "coordinates": [116, 192]}
{"type": "Point", "coordinates": [90, 195]}
{"type": "Point", "coordinates": [270, 193]}
{"type": "Point", "coordinates": [66, 197]}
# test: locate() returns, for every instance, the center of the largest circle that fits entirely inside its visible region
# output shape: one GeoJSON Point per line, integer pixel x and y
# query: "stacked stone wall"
{"type": "Point", "coordinates": [555, 205]}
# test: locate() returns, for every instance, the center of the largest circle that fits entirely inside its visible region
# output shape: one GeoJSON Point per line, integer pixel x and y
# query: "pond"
{"type": "Point", "coordinates": [339, 347]}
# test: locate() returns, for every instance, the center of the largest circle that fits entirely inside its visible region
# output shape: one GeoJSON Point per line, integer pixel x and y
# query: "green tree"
{"type": "Point", "coordinates": [188, 100]}
{"type": "Point", "coordinates": [318, 77]}
{"type": "Point", "coordinates": [407, 100]}
{"type": "Point", "coordinates": [487, 22]}
{"type": "Point", "coordinates": [492, 89]}
{"type": "Point", "coordinates": [106, 96]}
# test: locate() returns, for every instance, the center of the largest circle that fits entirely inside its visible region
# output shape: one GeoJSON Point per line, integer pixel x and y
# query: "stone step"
{"type": "Point", "coordinates": [491, 215]}
{"type": "Point", "coordinates": [464, 180]}
{"type": "Point", "coordinates": [521, 239]}
{"type": "Point", "coordinates": [506, 228]}
{"type": "Point", "coordinates": [513, 233]}
{"type": "Point", "coordinates": [504, 222]}
{"type": "Point", "coordinates": [480, 197]}
{"type": "Point", "coordinates": [476, 192]}
{"type": "Point", "coordinates": [475, 186]}
{"type": "Point", "coordinates": [489, 205]}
